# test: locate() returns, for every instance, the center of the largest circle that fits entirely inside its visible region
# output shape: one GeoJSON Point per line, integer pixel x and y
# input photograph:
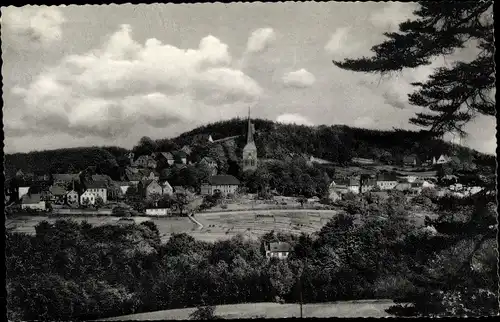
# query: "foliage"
{"type": "Point", "coordinates": [455, 94]}
{"type": "Point", "coordinates": [204, 313]}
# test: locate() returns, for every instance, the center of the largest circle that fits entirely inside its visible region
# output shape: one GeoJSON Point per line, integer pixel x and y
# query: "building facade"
{"type": "Point", "coordinates": [225, 184]}
{"type": "Point", "coordinates": [98, 188]}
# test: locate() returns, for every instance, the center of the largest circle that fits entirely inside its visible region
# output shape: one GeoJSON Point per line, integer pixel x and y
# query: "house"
{"type": "Point", "coordinates": [386, 181]}
{"type": "Point", "coordinates": [167, 156]}
{"type": "Point", "coordinates": [181, 156]}
{"type": "Point", "coordinates": [149, 188]}
{"type": "Point", "coordinates": [442, 159]}
{"type": "Point", "coordinates": [72, 198]}
{"type": "Point", "coordinates": [142, 161]}
{"type": "Point", "coordinates": [166, 188]}
{"type": "Point", "coordinates": [59, 193]}
{"type": "Point", "coordinates": [279, 250]}
{"type": "Point", "coordinates": [363, 161]}
{"type": "Point", "coordinates": [132, 175]}
{"type": "Point", "coordinates": [334, 195]}
{"type": "Point", "coordinates": [367, 184]}
{"type": "Point", "coordinates": [87, 198]}
{"type": "Point", "coordinates": [146, 174]}
{"type": "Point", "coordinates": [32, 201]}
{"type": "Point", "coordinates": [225, 184]}
{"type": "Point", "coordinates": [151, 163]}
{"type": "Point", "coordinates": [157, 212]}
{"type": "Point", "coordinates": [23, 190]}
{"type": "Point", "coordinates": [41, 176]}
{"type": "Point", "coordinates": [410, 160]}
{"type": "Point", "coordinates": [210, 164]}
{"type": "Point", "coordinates": [187, 149]}
{"type": "Point", "coordinates": [63, 179]}
{"type": "Point", "coordinates": [98, 188]}
{"type": "Point", "coordinates": [124, 185]}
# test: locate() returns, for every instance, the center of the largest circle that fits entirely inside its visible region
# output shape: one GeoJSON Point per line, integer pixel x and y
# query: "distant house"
{"type": "Point", "coordinates": [72, 198]}
{"type": "Point", "coordinates": [166, 188]}
{"type": "Point", "coordinates": [181, 156]}
{"type": "Point", "coordinates": [87, 198]}
{"type": "Point", "coordinates": [158, 212]}
{"type": "Point", "coordinates": [41, 176]}
{"type": "Point", "coordinates": [386, 181]}
{"type": "Point", "coordinates": [149, 188]}
{"type": "Point", "coordinates": [334, 195]}
{"type": "Point", "coordinates": [225, 184]}
{"type": "Point", "coordinates": [167, 156]}
{"type": "Point", "coordinates": [124, 185]}
{"type": "Point", "coordinates": [22, 191]}
{"type": "Point", "coordinates": [98, 188]}
{"type": "Point", "coordinates": [368, 183]}
{"type": "Point", "coordinates": [59, 193]}
{"type": "Point", "coordinates": [363, 161]}
{"type": "Point", "coordinates": [442, 159]}
{"type": "Point", "coordinates": [187, 149]}
{"type": "Point", "coordinates": [64, 179]}
{"type": "Point", "coordinates": [143, 161]}
{"type": "Point", "coordinates": [410, 160]}
{"type": "Point", "coordinates": [210, 164]}
{"type": "Point", "coordinates": [147, 174]}
{"type": "Point", "coordinates": [132, 175]}
{"type": "Point", "coordinates": [32, 201]}
{"type": "Point", "coordinates": [279, 250]}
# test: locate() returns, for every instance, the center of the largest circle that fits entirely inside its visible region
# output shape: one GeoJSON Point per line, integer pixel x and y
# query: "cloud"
{"type": "Point", "coordinates": [106, 91]}
{"type": "Point", "coordinates": [293, 119]}
{"type": "Point", "coordinates": [34, 24]}
{"type": "Point", "coordinates": [300, 78]}
{"type": "Point", "coordinates": [260, 39]}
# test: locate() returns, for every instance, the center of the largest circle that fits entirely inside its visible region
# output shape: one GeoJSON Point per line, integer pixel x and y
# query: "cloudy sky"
{"type": "Point", "coordinates": [108, 75]}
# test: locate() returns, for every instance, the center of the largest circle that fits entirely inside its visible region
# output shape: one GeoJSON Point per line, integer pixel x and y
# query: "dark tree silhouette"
{"type": "Point", "coordinates": [453, 95]}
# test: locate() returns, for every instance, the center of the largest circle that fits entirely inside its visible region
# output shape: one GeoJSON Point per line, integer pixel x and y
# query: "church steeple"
{"type": "Point", "coordinates": [250, 129]}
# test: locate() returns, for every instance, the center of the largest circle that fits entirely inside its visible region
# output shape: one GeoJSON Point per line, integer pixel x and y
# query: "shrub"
{"type": "Point", "coordinates": [223, 206]}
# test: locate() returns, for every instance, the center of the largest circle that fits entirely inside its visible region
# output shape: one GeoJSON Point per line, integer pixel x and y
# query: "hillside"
{"type": "Point", "coordinates": [274, 141]}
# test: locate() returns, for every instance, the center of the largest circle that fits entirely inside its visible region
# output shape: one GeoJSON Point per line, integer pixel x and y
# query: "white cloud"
{"type": "Point", "coordinates": [299, 78]}
{"type": "Point", "coordinates": [106, 91]}
{"type": "Point", "coordinates": [260, 39]}
{"type": "Point", "coordinates": [34, 24]}
{"type": "Point", "coordinates": [293, 119]}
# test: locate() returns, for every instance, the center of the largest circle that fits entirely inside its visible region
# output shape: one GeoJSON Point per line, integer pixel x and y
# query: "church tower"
{"type": "Point", "coordinates": [250, 150]}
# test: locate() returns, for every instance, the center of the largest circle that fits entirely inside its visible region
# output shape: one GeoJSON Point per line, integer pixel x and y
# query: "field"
{"type": "Point", "coordinates": [368, 308]}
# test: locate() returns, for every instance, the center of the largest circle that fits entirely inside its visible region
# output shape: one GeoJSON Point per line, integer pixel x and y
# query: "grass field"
{"type": "Point", "coordinates": [368, 308]}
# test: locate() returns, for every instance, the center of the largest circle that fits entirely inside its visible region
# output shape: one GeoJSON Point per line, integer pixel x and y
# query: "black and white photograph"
{"type": "Point", "coordinates": [249, 160]}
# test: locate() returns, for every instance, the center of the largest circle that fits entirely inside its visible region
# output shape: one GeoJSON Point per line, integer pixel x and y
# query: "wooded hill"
{"type": "Point", "coordinates": [337, 143]}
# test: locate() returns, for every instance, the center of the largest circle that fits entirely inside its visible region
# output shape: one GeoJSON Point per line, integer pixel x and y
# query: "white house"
{"type": "Point", "coordinates": [22, 191]}
{"type": "Point", "coordinates": [166, 188]}
{"type": "Point", "coordinates": [72, 198]}
{"type": "Point", "coordinates": [32, 201]}
{"type": "Point", "coordinates": [87, 198]}
{"type": "Point", "coordinates": [386, 181]}
{"type": "Point", "coordinates": [442, 159]}
{"type": "Point", "coordinates": [157, 211]}
{"type": "Point", "coordinates": [279, 250]}
{"type": "Point", "coordinates": [98, 188]}
{"type": "Point", "coordinates": [124, 185]}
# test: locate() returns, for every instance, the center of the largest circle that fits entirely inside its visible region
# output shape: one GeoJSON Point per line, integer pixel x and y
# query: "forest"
{"type": "Point", "coordinates": [82, 272]}
{"type": "Point", "coordinates": [338, 144]}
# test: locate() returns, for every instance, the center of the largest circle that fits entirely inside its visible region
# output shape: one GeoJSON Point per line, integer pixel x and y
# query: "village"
{"type": "Point", "coordinates": [216, 208]}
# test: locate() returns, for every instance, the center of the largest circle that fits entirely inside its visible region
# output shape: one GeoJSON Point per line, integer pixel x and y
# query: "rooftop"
{"type": "Point", "coordinates": [223, 180]}
{"type": "Point", "coordinates": [96, 185]}
{"type": "Point", "coordinates": [279, 247]}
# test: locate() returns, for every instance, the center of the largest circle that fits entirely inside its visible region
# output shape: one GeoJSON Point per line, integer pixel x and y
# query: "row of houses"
{"type": "Point", "coordinates": [382, 182]}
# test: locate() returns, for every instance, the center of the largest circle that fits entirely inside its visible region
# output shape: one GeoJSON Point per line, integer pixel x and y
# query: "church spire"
{"type": "Point", "coordinates": [250, 129]}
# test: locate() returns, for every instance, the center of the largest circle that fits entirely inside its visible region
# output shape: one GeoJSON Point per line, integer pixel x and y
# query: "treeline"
{"type": "Point", "coordinates": [71, 160]}
{"type": "Point", "coordinates": [71, 271]}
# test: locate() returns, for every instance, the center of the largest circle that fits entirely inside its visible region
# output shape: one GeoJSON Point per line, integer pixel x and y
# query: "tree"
{"type": "Point", "coordinates": [98, 202]}
{"type": "Point", "coordinates": [180, 201]}
{"type": "Point", "coordinates": [453, 95]}
{"type": "Point", "coordinates": [204, 313]}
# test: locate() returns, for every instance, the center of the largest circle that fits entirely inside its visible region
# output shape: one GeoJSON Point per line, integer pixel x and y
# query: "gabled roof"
{"type": "Point", "coordinates": [280, 247]}
{"type": "Point", "coordinates": [57, 190]}
{"type": "Point", "coordinates": [66, 177]}
{"type": "Point", "coordinates": [207, 159]}
{"type": "Point", "coordinates": [96, 185]}
{"type": "Point", "coordinates": [167, 155]}
{"type": "Point", "coordinates": [147, 183]}
{"type": "Point", "coordinates": [223, 180]}
{"type": "Point", "coordinates": [387, 177]}
{"type": "Point", "coordinates": [101, 177]}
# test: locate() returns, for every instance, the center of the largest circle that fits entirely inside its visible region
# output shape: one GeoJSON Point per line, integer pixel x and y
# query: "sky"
{"type": "Point", "coordinates": [109, 75]}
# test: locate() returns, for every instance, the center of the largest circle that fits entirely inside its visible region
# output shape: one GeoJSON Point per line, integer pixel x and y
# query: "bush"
{"type": "Point", "coordinates": [223, 206]}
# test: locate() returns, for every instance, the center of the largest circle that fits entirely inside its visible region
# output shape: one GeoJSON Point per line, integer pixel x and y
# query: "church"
{"type": "Point", "coordinates": [250, 150]}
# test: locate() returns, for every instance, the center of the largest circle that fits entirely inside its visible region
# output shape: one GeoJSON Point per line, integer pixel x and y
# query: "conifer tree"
{"type": "Point", "coordinates": [452, 95]}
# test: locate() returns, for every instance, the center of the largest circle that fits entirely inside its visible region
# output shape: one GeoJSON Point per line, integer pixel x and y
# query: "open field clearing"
{"type": "Point", "coordinates": [368, 308]}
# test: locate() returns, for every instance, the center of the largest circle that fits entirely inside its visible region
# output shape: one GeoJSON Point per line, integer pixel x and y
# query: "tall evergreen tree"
{"type": "Point", "coordinates": [453, 95]}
